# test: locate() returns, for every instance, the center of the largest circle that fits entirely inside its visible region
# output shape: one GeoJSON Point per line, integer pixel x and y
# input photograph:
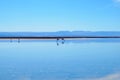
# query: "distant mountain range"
{"type": "Point", "coordinates": [60, 33]}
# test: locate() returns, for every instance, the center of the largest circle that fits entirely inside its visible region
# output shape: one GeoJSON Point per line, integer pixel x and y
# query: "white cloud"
{"type": "Point", "coordinates": [111, 77]}
{"type": "Point", "coordinates": [108, 77]}
{"type": "Point", "coordinates": [118, 1]}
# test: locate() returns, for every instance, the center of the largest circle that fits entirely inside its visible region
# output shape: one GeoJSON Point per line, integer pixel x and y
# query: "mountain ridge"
{"type": "Point", "coordinates": [61, 33]}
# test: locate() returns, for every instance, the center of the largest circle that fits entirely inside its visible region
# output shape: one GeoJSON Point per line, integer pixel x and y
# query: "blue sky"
{"type": "Point", "coordinates": [57, 15]}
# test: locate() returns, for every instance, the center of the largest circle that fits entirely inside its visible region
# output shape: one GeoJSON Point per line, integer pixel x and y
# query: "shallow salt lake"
{"type": "Point", "coordinates": [84, 59]}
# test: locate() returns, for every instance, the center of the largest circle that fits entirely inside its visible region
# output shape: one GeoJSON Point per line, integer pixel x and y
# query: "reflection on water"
{"type": "Point", "coordinates": [63, 41]}
{"type": "Point", "coordinates": [84, 59]}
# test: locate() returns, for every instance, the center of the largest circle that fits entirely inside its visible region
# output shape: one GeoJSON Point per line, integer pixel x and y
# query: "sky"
{"type": "Point", "coordinates": [59, 15]}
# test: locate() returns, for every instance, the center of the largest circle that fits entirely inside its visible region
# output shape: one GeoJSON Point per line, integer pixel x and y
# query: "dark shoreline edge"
{"type": "Point", "coordinates": [58, 37]}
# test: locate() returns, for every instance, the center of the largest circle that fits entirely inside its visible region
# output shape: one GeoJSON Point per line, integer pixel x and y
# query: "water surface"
{"type": "Point", "coordinates": [93, 59]}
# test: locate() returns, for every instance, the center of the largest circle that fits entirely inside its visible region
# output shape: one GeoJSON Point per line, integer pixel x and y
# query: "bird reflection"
{"type": "Point", "coordinates": [62, 41]}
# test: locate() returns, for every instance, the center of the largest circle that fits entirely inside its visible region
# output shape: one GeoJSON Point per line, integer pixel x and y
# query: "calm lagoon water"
{"type": "Point", "coordinates": [94, 59]}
